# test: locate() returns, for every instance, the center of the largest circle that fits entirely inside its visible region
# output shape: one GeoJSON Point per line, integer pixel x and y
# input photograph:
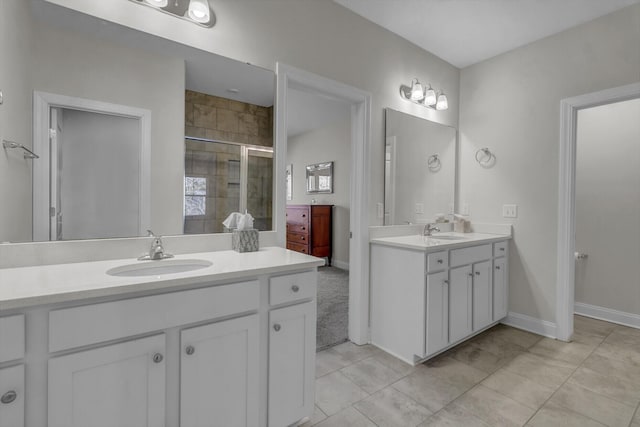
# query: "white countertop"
{"type": "Point", "coordinates": [38, 285]}
{"type": "Point", "coordinates": [434, 243]}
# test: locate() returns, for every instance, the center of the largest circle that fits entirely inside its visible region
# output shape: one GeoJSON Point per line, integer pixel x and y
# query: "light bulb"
{"type": "Point", "coordinates": [430, 96]}
{"type": "Point", "coordinates": [417, 92]}
{"type": "Point", "coordinates": [158, 3]}
{"type": "Point", "coordinates": [199, 11]}
{"type": "Point", "coordinates": [442, 103]}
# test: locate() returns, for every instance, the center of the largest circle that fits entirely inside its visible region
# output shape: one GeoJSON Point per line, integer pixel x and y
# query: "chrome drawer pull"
{"type": "Point", "coordinates": [190, 350]}
{"type": "Point", "coordinates": [477, 273]}
{"type": "Point", "coordinates": [497, 267]}
{"type": "Point", "coordinates": [8, 397]}
{"type": "Point", "coordinates": [295, 288]}
{"type": "Point", "coordinates": [157, 358]}
{"type": "Point", "coordinates": [440, 261]}
{"type": "Point", "coordinates": [276, 327]}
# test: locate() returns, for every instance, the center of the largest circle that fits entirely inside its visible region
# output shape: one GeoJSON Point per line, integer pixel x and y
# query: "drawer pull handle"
{"type": "Point", "coordinates": [477, 273]}
{"type": "Point", "coordinates": [295, 288]}
{"type": "Point", "coordinates": [470, 274]}
{"type": "Point", "coordinates": [502, 249]}
{"type": "Point", "coordinates": [301, 237]}
{"type": "Point", "coordinates": [276, 327]}
{"type": "Point", "coordinates": [304, 215]}
{"type": "Point", "coordinates": [157, 358]}
{"type": "Point", "coordinates": [446, 282]}
{"type": "Point", "coordinates": [302, 228]}
{"type": "Point", "coordinates": [440, 261]}
{"type": "Point", "coordinates": [190, 350]}
{"type": "Point", "coordinates": [497, 267]}
{"type": "Point", "coordinates": [8, 397]}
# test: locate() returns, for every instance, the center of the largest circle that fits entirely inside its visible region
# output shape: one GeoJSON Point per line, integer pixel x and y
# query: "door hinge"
{"type": "Point", "coordinates": [52, 211]}
{"type": "Point", "coordinates": [52, 133]}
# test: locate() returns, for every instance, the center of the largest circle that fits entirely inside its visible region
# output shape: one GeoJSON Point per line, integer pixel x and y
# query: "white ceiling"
{"type": "Point", "coordinates": [464, 32]}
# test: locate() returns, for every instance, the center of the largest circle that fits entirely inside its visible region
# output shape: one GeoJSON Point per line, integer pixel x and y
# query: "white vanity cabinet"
{"type": "Point", "coordinates": [12, 396]}
{"type": "Point", "coordinates": [115, 385]}
{"type": "Point", "coordinates": [425, 299]}
{"type": "Point", "coordinates": [219, 381]}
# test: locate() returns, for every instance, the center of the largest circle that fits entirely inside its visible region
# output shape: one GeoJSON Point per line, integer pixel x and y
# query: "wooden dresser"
{"type": "Point", "coordinates": [309, 229]}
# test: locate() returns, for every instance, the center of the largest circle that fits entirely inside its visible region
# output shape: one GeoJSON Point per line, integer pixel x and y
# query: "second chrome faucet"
{"type": "Point", "coordinates": [156, 252]}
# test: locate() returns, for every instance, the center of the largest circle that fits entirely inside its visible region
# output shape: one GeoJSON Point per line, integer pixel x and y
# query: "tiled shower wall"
{"type": "Point", "coordinates": [223, 119]}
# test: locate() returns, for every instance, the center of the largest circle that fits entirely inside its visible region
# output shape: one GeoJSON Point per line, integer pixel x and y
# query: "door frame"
{"type": "Point", "coordinates": [42, 104]}
{"type": "Point", "coordinates": [289, 77]}
{"type": "Point", "coordinates": [569, 107]}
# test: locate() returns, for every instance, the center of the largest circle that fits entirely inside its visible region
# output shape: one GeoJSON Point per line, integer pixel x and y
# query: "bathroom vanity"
{"type": "Point", "coordinates": [231, 342]}
{"type": "Point", "coordinates": [430, 293]}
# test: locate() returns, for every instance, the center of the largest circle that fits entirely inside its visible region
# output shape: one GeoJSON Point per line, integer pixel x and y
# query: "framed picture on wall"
{"type": "Point", "coordinates": [289, 180]}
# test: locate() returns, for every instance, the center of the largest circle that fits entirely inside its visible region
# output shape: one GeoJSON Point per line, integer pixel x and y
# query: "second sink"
{"type": "Point", "coordinates": [156, 268]}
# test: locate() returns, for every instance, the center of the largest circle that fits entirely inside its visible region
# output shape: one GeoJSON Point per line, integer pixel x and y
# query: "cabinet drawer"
{"type": "Point", "coordinates": [298, 228]}
{"type": "Point", "coordinates": [90, 324]}
{"type": "Point", "coordinates": [470, 255]}
{"type": "Point", "coordinates": [12, 337]}
{"type": "Point", "coordinates": [298, 216]}
{"type": "Point", "coordinates": [500, 248]}
{"type": "Point", "coordinates": [437, 261]}
{"type": "Point", "coordinates": [298, 247]}
{"type": "Point", "coordinates": [302, 239]}
{"type": "Point", "coordinates": [292, 287]}
{"type": "Point", "coordinates": [12, 395]}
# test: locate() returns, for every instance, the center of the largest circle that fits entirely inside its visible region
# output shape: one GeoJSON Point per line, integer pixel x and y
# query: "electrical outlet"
{"type": "Point", "coordinates": [419, 208]}
{"type": "Point", "coordinates": [509, 211]}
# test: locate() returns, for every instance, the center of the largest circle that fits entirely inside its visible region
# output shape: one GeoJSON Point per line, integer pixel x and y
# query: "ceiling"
{"type": "Point", "coordinates": [464, 32]}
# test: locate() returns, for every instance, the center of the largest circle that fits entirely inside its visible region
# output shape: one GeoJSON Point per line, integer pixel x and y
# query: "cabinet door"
{"type": "Point", "coordinates": [482, 295]}
{"type": "Point", "coordinates": [12, 396]}
{"type": "Point", "coordinates": [117, 385]}
{"type": "Point", "coordinates": [292, 341]}
{"type": "Point", "coordinates": [437, 316]}
{"type": "Point", "coordinates": [219, 374]}
{"type": "Point", "coordinates": [500, 289]}
{"type": "Point", "coordinates": [460, 300]}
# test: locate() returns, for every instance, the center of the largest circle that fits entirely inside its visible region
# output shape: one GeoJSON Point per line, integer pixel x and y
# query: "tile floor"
{"type": "Point", "coordinates": [503, 377]}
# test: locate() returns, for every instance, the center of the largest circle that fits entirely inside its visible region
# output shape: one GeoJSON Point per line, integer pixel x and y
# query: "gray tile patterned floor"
{"type": "Point", "coordinates": [502, 377]}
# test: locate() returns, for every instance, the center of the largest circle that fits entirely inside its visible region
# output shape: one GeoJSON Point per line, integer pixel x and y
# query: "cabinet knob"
{"type": "Point", "coordinates": [303, 228]}
{"type": "Point", "coordinates": [304, 215]}
{"type": "Point", "coordinates": [8, 397]}
{"type": "Point", "coordinates": [502, 249]}
{"type": "Point", "coordinates": [470, 274]}
{"type": "Point", "coordinates": [446, 282]}
{"type": "Point", "coordinates": [276, 327]}
{"type": "Point", "coordinates": [301, 237]}
{"type": "Point", "coordinates": [477, 273]}
{"type": "Point", "coordinates": [440, 261]}
{"type": "Point", "coordinates": [157, 358]}
{"type": "Point", "coordinates": [497, 267]}
{"type": "Point", "coordinates": [295, 288]}
{"type": "Point", "coordinates": [190, 350]}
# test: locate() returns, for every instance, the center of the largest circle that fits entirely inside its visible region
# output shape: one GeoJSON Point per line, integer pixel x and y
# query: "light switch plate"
{"type": "Point", "coordinates": [419, 208]}
{"type": "Point", "coordinates": [509, 211]}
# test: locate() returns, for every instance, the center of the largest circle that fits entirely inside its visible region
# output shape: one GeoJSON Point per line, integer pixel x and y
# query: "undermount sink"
{"type": "Point", "coordinates": [156, 268]}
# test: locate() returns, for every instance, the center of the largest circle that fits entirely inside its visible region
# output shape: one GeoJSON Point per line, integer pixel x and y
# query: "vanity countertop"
{"type": "Point", "coordinates": [439, 241]}
{"type": "Point", "coordinates": [30, 286]}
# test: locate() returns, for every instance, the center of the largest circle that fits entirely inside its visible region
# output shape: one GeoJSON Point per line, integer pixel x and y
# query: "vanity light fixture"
{"type": "Point", "coordinates": [197, 11]}
{"type": "Point", "coordinates": [428, 97]}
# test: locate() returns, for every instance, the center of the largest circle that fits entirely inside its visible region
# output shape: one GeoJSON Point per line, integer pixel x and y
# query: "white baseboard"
{"type": "Point", "coordinates": [608, 314]}
{"type": "Point", "coordinates": [531, 324]}
{"type": "Point", "coordinates": [340, 264]}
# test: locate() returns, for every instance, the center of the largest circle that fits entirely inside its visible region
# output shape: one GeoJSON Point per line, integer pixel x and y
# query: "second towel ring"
{"type": "Point", "coordinates": [485, 157]}
{"type": "Point", "coordinates": [433, 163]}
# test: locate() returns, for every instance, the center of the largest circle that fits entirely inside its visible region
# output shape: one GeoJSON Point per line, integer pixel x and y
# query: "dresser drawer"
{"type": "Point", "coordinates": [500, 248]}
{"type": "Point", "coordinates": [297, 216]}
{"type": "Point", "coordinates": [91, 324]}
{"type": "Point", "coordinates": [12, 337]}
{"type": "Point", "coordinates": [298, 247]}
{"type": "Point", "coordinates": [470, 255]}
{"type": "Point", "coordinates": [298, 228]}
{"type": "Point", "coordinates": [302, 239]}
{"type": "Point", "coordinates": [437, 261]}
{"type": "Point", "coordinates": [292, 287]}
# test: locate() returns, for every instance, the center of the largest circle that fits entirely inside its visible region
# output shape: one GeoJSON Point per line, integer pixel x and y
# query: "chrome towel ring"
{"type": "Point", "coordinates": [433, 163]}
{"type": "Point", "coordinates": [485, 157]}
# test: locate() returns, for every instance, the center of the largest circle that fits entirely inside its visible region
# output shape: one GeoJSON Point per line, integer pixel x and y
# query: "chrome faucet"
{"type": "Point", "coordinates": [156, 252]}
{"type": "Point", "coordinates": [429, 229]}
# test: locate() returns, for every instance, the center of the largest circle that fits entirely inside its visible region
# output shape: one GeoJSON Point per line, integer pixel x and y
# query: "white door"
{"type": "Point", "coordinates": [292, 353]}
{"type": "Point", "coordinates": [12, 396]}
{"type": "Point", "coordinates": [482, 295]}
{"type": "Point", "coordinates": [219, 374]}
{"type": "Point", "coordinates": [437, 312]}
{"type": "Point", "coordinates": [117, 385]}
{"type": "Point", "coordinates": [460, 300]}
{"type": "Point", "coordinates": [500, 289]}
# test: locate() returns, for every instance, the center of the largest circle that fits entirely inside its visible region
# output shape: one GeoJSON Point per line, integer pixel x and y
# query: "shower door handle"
{"type": "Point", "coordinates": [580, 255]}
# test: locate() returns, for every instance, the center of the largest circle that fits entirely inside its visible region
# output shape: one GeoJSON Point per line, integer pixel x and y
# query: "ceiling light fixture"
{"type": "Point", "coordinates": [197, 11]}
{"type": "Point", "coordinates": [429, 97]}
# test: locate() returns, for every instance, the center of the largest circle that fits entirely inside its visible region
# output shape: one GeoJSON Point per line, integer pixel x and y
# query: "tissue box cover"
{"type": "Point", "coordinates": [245, 240]}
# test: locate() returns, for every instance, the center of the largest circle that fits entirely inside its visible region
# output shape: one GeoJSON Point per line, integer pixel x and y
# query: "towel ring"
{"type": "Point", "coordinates": [485, 157]}
{"type": "Point", "coordinates": [433, 163]}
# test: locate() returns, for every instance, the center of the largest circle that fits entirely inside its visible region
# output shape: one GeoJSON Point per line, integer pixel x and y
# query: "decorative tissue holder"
{"type": "Point", "coordinates": [245, 240]}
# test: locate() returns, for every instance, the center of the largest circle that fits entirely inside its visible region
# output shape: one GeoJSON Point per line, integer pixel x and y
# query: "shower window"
{"type": "Point", "coordinates": [195, 196]}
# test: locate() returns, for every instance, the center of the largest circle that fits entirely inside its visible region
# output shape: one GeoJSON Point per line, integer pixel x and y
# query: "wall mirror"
{"type": "Point", "coordinates": [134, 132]}
{"type": "Point", "coordinates": [420, 169]}
{"type": "Point", "coordinates": [320, 178]}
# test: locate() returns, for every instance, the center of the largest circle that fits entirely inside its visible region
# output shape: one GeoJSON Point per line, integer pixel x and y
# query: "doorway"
{"type": "Point", "coordinates": [92, 180]}
{"type": "Point", "coordinates": [359, 103]}
{"type": "Point", "coordinates": [566, 268]}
